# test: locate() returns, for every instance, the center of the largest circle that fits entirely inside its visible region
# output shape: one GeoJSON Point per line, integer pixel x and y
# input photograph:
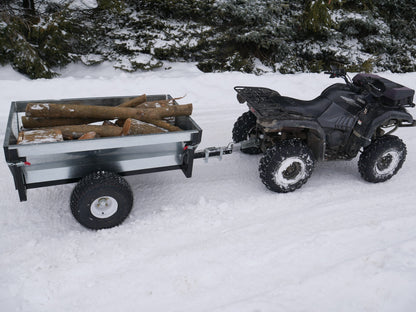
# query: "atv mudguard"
{"type": "Point", "coordinates": [385, 118]}
{"type": "Point", "coordinates": [316, 135]}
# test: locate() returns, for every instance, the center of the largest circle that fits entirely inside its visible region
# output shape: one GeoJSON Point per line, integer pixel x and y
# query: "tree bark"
{"type": "Point", "coordinates": [88, 136]}
{"type": "Point", "coordinates": [39, 122]}
{"type": "Point", "coordinates": [159, 123]}
{"type": "Point", "coordinates": [159, 103]}
{"type": "Point", "coordinates": [39, 136]}
{"type": "Point", "coordinates": [163, 124]}
{"type": "Point", "coordinates": [134, 102]}
{"type": "Point", "coordinates": [134, 126]}
{"type": "Point", "coordinates": [154, 104]}
{"type": "Point", "coordinates": [75, 132]}
{"type": "Point", "coordinates": [50, 110]}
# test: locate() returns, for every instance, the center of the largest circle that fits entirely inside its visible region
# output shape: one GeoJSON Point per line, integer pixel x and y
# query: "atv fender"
{"type": "Point", "coordinates": [316, 136]}
{"type": "Point", "coordinates": [386, 117]}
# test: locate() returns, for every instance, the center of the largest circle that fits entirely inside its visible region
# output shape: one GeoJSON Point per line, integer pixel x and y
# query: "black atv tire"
{"type": "Point", "coordinates": [244, 127]}
{"type": "Point", "coordinates": [101, 200]}
{"type": "Point", "coordinates": [382, 159]}
{"type": "Point", "coordinates": [286, 166]}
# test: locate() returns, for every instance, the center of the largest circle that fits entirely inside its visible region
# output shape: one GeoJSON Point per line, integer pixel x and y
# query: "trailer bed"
{"type": "Point", "coordinates": [45, 164]}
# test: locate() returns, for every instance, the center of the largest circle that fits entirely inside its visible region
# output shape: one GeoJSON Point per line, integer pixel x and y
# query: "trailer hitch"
{"type": "Point", "coordinates": [214, 152]}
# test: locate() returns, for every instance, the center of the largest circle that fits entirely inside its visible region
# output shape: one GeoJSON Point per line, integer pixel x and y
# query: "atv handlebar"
{"type": "Point", "coordinates": [368, 84]}
{"type": "Point", "coordinates": [336, 72]}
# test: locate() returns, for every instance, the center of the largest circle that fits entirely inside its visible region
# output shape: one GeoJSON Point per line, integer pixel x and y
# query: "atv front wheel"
{"type": "Point", "coordinates": [382, 159]}
{"type": "Point", "coordinates": [286, 166]}
{"type": "Point", "coordinates": [244, 129]}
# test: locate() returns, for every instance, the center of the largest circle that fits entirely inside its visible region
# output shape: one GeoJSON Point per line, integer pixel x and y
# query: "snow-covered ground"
{"type": "Point", "coordinates": [219, 241]}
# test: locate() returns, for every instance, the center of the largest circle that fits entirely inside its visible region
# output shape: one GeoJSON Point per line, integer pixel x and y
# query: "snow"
{"type": "Point", "coordinates": [219, 241]}
{"type": "Point", "coordinates": [40, 106]}
{"type": "Point", "coordinates": [77, 4]}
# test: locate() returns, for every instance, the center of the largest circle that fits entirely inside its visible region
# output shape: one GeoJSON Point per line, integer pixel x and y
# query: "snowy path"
{"type": "Point", "coordinates": [219, 241]}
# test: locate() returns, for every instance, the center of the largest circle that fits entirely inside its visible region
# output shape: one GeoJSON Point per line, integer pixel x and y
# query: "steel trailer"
{"type": "Point", "coordinates": [97, 165]}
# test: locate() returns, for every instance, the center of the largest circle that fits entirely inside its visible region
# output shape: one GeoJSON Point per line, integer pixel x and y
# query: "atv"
{"type": "Point", "coordinates": [345, 119]}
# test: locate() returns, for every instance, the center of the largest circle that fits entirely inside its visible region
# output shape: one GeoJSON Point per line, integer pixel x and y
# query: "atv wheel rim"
{"type": "Point", "coordinates": [387, 163]}
{"type": "Point", "coordinates": [104, 207]}
{"type": "Point", "coordinates": [291, 171]}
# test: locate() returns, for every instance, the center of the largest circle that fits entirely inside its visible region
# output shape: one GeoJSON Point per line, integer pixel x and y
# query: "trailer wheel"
{"type": "Point", "coordinates": [382, 159]}
{"type": "Point", "coordinates": [286, 166]}
{"type": "Point", "coordinates": [244, 128]}
{"type": "Point", "coordinates": [101, 200]}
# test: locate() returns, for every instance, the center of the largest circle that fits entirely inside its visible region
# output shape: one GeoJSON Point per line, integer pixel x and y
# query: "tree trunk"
{"type": "Point", "coordinates": [134, 126]}
{"type": "Point", "coordinates": [154, 104]}
{"type": "Point", "coordinates": [88, 136]}
{"type": "Point", "coordinates": [50, 110]}
{"type": "Point", "coordinates": [39, 136]}
{"type": "Point", "coordinates": [29, 8]}
{"type": "Point", "coordinates": [163, 124]}
{"type": "Point", "coordinates": [75, 132]}
{"type": "Point", "coordinates": [134, 102]}
{"type": "Point", "coordinates": [38, 122]}
{"type": "Point", "coordinates": [159, 103]}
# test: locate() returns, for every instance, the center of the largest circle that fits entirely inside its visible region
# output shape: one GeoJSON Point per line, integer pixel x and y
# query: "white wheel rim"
{"type": "Point", "coordinates": [104, 207]}
{"type": "Point", "coordinates": [281, 177]}
{"type": "Point", "coordinates": [394, 159]}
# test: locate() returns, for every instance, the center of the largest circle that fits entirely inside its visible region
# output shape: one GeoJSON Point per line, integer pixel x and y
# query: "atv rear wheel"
{"type": "Point", "coordinates": [244, 129]}
{"type": "Point", "coordinates": [286, 166]}
{"type": "Point", "coordinates": [382, 159]}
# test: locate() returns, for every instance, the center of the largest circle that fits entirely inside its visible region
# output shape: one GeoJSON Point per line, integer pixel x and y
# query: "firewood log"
{"type": "Point", "coordinates": [39, 122]}
{"type": "Point", "coordinates": [88, 136]}
{"type": "Point", "coordinates": [39, 136]}
{"type": "Point", "coordinates": [77, 131]}
{"type": "Point", "coordinates": [134, 126]}
{"type": "Point", "coordinates": [134, 102]}
{"type": "Point", "coordinates": [50, 110]}
{"type": "Point", "coordinates": [154, 104]}
{"type": "Point", "coordinates": [163, 124]}
{"type": "Point", "coordinates": [159, 103]}
{"type": "Point", "coordinates": [159, 123]}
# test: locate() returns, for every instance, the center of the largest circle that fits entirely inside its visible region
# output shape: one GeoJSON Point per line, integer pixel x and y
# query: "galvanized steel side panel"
{"type": "Point", "coordinates": [74, 159]}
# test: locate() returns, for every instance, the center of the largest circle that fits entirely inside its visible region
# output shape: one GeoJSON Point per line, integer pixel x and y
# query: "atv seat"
{"type": "Point", "coordinates": [267, 102]}
{"type": "Point", "coordinates": [313, 108]}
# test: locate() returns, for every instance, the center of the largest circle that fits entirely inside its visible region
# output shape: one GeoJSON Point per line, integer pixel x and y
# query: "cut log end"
{"type": "Point", "coordinates": [88, 136]}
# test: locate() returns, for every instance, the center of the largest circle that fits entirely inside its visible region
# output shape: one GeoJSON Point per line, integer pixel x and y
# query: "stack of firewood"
{"type": "Point", "coordinates": [49, 122]}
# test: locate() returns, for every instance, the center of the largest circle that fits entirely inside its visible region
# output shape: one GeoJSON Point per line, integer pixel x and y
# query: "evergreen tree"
{"type": "Point", "coordinates": [39, 36]}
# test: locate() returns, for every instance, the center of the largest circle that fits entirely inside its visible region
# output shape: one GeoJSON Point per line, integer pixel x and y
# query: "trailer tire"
{"type": "Point", "coordinates": [382, 159]}
{"type": "Point", "coordinates": [286, 166]}
{"type": "Point", "coordinates": [243, 129]}
{"type": "Point", "coordinates": [101, 200]}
